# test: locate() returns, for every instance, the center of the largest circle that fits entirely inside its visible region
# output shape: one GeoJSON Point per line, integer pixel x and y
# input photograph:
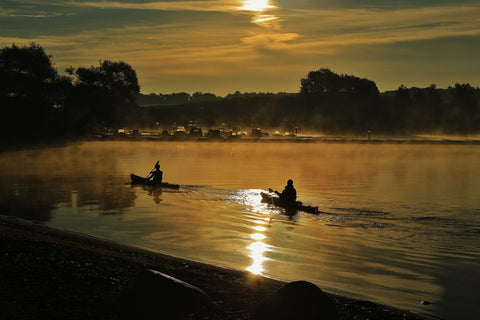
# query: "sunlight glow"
{"type": "Point", "coordinates": [259, 228]}
{"type": "Point", "coordinates": [265, 221]}
{"type": "Point", "coordinates": [261, 219]}
{"type": "Point", "coordinates": [256, 5]}
{"type": "Point", "coordinates": [257, 249]}
{"type": "Point", "coordinates": [251, 198]}
{"type": "Point", "coordinates": [257, 236]}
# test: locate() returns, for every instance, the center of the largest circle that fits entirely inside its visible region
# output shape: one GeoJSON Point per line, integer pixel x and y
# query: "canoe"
{"type": "Point", "coordinates": [272, 198]}
{"type": "Point", "coordinates": [141, 180]}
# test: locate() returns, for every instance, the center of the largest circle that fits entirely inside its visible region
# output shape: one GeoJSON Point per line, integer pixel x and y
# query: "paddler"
{"type": "Point", "coordinates": [156, 175]}
{"type": "Point", "coordinates": [289, 194]}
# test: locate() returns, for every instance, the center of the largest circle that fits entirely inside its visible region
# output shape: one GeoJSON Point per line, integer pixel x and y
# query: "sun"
{"type": "Point", "coordinates": [256, 5]}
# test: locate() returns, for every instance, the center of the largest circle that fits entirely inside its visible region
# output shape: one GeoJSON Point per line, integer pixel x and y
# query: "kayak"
{"type": "Point", "coordinates": [273, 198]}
{"type": "Point", "coordinates": [141, 180]}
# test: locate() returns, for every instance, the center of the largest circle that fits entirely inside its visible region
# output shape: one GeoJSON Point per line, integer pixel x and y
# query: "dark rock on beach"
{"type": "Point", "coordinates": [47, 273]}
{"type": "Point", "coordinates": [298, 300]}
{"type": "Point", "coordinates": [153, 293]}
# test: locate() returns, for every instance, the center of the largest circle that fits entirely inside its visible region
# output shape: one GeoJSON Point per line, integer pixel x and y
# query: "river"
{"type": "Point", "coordinates": [400, 222]}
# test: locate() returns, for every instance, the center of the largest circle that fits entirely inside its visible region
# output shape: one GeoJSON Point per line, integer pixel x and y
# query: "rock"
{"type": "Point", "coordinates": [299, 300]}
{"type": "Point", "coordinates": [155, 295]}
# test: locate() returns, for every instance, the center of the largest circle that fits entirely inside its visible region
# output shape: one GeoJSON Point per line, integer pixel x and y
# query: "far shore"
{"type": "Point", "coordinates": [47, 273]}
{"type": "Point", "coordinates": [291, 139]}
{"type": "Point", "coordinates": [155, 137]}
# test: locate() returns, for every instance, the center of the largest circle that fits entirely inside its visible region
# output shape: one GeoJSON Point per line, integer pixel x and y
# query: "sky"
{"type": "Point", "coordinates": [221, 47]}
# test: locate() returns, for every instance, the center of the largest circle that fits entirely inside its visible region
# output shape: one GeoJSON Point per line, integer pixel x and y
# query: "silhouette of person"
{"type": "Point", "coordinates": [289, 194]}
{"type": "Point", "coordinates": [156, 175]}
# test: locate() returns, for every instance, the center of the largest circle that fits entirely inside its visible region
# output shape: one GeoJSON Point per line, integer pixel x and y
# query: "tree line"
{"type": "Point", "coordinates": [330, 103]}
{"type": "Point", "coordinates": [39, 104]}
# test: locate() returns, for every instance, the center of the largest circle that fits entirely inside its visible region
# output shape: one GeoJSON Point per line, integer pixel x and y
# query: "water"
{"type": "Point", "coordinates": [401, 222]}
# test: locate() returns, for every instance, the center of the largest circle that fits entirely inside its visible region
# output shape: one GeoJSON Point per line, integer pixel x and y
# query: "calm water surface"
{"type": "Point", "coordinates": [401, 222]}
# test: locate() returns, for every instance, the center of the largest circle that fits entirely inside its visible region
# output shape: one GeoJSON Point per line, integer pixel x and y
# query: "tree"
{"type": "Point", "coordinates": [319, 82]}
{"type": "Point", "coordinates": [203, 97]}
{"type": "Point", "coordinates": [108, 91]}
{"type": "Point", "coordinates": [464, 113]}
{"type": "Point", "coordinates": [30, 91]}
{"type": "Point", "coordinates": [464, 96]}
{"type": "Point", "coordinates": [26, 72]}
{"type": "Point", "coordinates": [326, 82]}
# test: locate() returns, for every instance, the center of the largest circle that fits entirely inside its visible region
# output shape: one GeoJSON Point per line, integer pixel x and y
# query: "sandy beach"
{"type": "Point", "coordinates": [54, 274]}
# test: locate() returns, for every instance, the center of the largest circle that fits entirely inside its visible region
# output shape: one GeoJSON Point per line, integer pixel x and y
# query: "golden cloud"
{"type": "Point", "coordinates": [360, 26]}
{"type": "Point", "coordinates": [212, 5]}
{"type": "Point", "coordinates": [275, 41]}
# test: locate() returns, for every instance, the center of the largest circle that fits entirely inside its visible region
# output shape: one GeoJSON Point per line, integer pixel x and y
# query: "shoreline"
{"type": "Point", "coordinates": [289, 140]}
{"type": "Point", "coordinates": [297, 139]}
{"type": "Point", "coordinates": [52, 273]}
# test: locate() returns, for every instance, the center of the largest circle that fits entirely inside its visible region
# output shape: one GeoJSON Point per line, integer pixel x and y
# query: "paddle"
{"type": "Point", "coordinates": [153, 170]}
{"type": "Point", "coordinates": [273, 191]}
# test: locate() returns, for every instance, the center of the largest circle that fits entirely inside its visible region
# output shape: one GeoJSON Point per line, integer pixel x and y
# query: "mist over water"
{"type": "Point", "coordinates": [401, 222]}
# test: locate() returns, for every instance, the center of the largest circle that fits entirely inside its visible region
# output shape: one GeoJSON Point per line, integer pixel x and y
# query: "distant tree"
{"type": "Point", "coordinates": [202, 97]}
{"type": "Point", "coordinates": [319, 82]}
{"type": "Point", "coordinates": [402, 95]}
{"type": "Point", "coordinates": [464, 113]}
{"type": "Point", "coordinates": [464, 96]}
{"type": "Point", "coordinates": [178, 98]}
{"type": "Point", "coordinates": [427, 108]}
{"type": "Point", "coordinates": [326, 82]}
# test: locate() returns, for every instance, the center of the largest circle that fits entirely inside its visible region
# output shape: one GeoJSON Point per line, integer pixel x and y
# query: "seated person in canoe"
{"type": "Point", "coordinates": [289, 194]}
{"type": "Point", "coordinates": [156, 175]}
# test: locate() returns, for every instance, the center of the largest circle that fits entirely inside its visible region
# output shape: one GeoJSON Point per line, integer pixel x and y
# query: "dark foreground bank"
{"type": "Point", "coordinates": [47, 273]}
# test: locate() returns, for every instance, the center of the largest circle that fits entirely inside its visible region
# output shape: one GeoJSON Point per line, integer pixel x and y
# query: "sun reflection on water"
{"type": "Point", "coordinates": [260, 220]}
{"type": "Point", "coordinates": [257, 236]}
{"type": "Point", "coordinates": [259, 228]}
{"type": "Point", "coordinates": [257, 250]}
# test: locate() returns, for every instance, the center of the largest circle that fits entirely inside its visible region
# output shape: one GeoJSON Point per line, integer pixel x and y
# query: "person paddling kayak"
{"type": "Point", "coordinates": [156, 175]}
{"type": "Point", "coordinates": [289, 194]}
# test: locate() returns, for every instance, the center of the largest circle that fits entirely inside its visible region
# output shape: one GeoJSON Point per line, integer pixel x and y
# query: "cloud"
{"type": "Point", "coordinates": [30, 9]}
{"type": "Point", "coordinates": [212, 5]}
{"type": "Point", "coordinates": [210, 40]}
{"type": "Point", "coordinates": [15, 13]}
{"type": "Point", "coordinates": [344, 27]}
{"type": "Point", "coordinates": [272, 41]}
